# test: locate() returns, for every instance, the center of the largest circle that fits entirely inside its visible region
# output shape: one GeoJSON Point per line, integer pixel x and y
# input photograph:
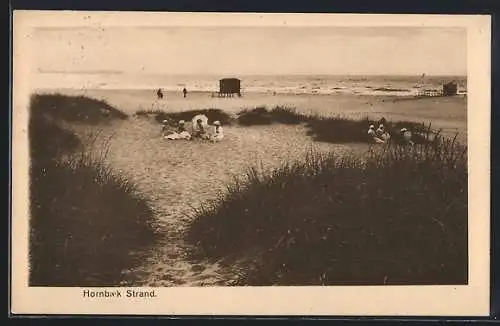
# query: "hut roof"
{"type": "Point", "coordinates": [229, 79]}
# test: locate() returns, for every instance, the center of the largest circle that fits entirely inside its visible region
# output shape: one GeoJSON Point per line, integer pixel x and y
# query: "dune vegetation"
{"type": "Point", "coordinates": [395, 216]}
{"type": "Point", "coordinates": [334, 129]}
{"type": "Point", "coordinates": [86, 220]}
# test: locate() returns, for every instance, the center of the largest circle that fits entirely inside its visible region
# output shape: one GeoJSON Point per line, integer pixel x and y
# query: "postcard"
{"type": "Point", "coordinates": [250, 164]}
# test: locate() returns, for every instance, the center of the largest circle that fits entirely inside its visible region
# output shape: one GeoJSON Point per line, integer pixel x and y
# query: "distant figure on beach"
{"type": "Point", "coordinates": [159, 93]}
{"type": "Point", "coordinates": [184, 91]}
{"type": "Point", "coordinates": [218, 132]}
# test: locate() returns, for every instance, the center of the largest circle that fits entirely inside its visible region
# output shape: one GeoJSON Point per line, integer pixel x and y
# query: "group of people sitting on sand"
{"type": "Point", "coordinates": [379, 136]}
{"type": "Point", "coordinates": [199, 130]}
{"type": "Point", "coordinates": [382, 136]}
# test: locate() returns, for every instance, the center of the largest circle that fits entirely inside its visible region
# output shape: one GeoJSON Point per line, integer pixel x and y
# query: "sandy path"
{"type": "Point", "coordinates": [177, 174]}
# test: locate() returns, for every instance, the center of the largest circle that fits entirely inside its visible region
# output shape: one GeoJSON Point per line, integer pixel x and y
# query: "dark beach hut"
{"type": "Point", "coordinates": [450, 89]}
{"type": "Point", "coordinates": [229, 86]}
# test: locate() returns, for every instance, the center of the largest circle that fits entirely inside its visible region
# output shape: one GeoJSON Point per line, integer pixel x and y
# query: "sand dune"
{"type": "Point", "coordinates": [448, 113]}
{"type": "Point", "coordinates": [176, 175]}
{"type": "Point", "coordinates": [179, 175]}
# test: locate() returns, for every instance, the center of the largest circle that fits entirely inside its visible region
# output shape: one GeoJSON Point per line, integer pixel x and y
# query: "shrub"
{"type": "Point", "coordinates": [397, 215]}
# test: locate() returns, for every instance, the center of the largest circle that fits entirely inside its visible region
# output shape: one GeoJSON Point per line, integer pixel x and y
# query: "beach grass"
{"type": "Point", "coordinates": [397, 215]}
{"type": "Point", "coordinates": [346, 130]}
{"type": "Point", "coordinates": [76, 109]}
{"type": "Point", "coordinates": [262, 116]}
{"type": "Point", "coordinates": [334, 129]}
{"type": "Point", "coordinates": [86, 219]}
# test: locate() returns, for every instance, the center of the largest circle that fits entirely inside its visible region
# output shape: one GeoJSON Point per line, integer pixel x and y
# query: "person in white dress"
{"type": "Point", "coordinates": [200, 125]}
{"type": "Point", "coordinates": [218, 132]}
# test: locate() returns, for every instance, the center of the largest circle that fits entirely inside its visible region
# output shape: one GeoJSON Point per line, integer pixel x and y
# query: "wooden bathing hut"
{"type": "Point", "coordinates": [450, 89]}
{"type": "Point", "coordinates": [228, 87]}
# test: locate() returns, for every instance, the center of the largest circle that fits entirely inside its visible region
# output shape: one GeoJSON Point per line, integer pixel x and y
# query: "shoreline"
{"type": "Point", "coordinates": [388, 94]}
{"type": "Point", "coordinates": [168, 94]}
{"type": "Point", "coordinates": [446, 113]}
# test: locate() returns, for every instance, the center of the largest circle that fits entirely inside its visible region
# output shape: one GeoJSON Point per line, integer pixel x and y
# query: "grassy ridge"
{"type": "Point", "coordinates": [262, 116]}
{"type": "Point", "coordinates": [344, 130]}
{"type": "Point", "coordinates": [320, 128]}
{"type": "Point", "coordinates": [396, 216]}
{"type": "Point", "coordinates": [330, 129]}
{"type": "Point", "coordinates": [86, 220]}
{"type": "Point", "coordinates": [76, 109]}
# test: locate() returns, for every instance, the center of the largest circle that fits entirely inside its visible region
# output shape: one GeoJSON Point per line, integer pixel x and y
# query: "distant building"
{"type": "Point", "coordinates": [450, 89]}
{"type": "Point", "coordinates": [228, 87]}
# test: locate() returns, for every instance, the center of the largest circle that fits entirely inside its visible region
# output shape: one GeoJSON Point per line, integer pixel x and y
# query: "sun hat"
{"type": "Point", "coordinates": [372, 126]}
{"type": "Point", "coordinates": [181, 122]}
{"type": "Point", "coordinates": [404, 129]}
{"type": "Point", "coordinates": [217, 123]}
{"type": "Point", "coordinates": [164, 121]}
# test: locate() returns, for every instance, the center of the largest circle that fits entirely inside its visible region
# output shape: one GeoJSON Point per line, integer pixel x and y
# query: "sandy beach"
{"type": "Point", "coordinates": [447, 113]}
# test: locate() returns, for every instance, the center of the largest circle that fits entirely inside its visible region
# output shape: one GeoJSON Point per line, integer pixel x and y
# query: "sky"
{"type": "Point", "coordinates": [253, 50]}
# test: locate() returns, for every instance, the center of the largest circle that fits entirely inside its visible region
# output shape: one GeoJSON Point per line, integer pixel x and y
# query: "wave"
{"type": "Point", "coordinates": [298, 85]}
{"type": "Point", "coordinates": [388, 89]}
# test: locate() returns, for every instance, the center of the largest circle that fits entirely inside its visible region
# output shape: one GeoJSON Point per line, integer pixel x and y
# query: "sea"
{"type": "Point", "coordinates": [272, 84]}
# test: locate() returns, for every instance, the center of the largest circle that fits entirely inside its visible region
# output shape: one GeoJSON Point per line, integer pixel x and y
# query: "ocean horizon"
{"type": "Point", "coordinates": [354, 84]}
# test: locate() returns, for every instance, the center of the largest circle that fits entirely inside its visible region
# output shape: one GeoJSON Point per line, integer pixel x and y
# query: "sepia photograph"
{"type": "Point", "coordinates": [253, 154]}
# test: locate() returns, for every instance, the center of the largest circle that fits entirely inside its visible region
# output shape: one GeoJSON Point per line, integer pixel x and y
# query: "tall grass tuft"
{"type": "Point", "coordinates": [397, 215]}
{"type": "Point", "coordinates": [86, 221]}
{"type": "Point", "coordinates": [262, 116]}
